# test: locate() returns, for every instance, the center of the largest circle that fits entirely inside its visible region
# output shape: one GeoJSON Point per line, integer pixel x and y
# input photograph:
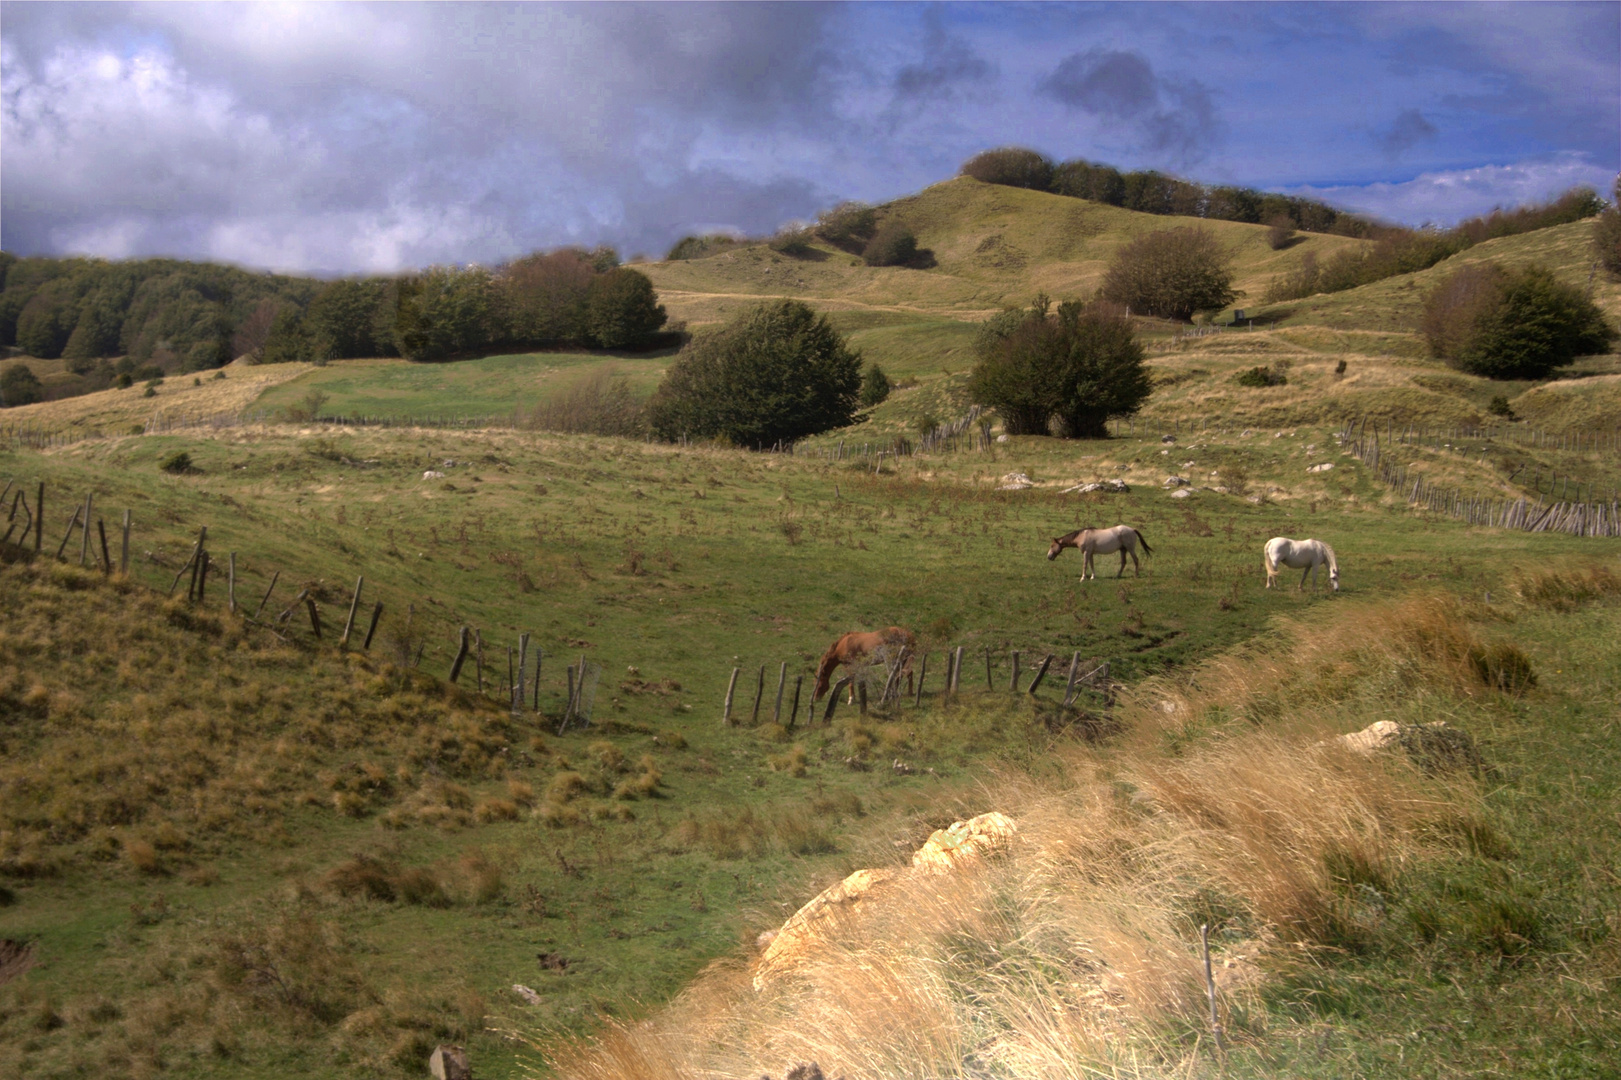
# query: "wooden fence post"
{"type": "Point", "coordinates": [123, 554]}
{"type": "Point", "coordinates": [39, 519]}
{"type": "Point", "coordinates": [202, 574]}
{"type": "Point", "coordinates": [793, 714]}
{"type": "Point", "coordinates": [540, 654]}
{"type": "Point", "coordinates": [106, 560]}
{"type": "Point", "coordinates": [988, 684]}
{"type": "Point", "coordinates": [782, 682]}
{"type": "Point", "coordinates": [861, 695]}
{"type": "Point", "coordinates": [461, 656]}
{"type": "Point", "coordinates": [1069, 686]}
{"type": "Point", "coordinates": [568, 706]}
{"type": "Point", "coordinates": [923, 673]}
{"type": "Point", "coordinates": [74, 520]}
{"type": "Point", "coordinates": [956, 670]}
{"type": "Point", "coordinates": [759, 692]}
{"type": "Point", "coordinates": [478, 658]}
{"type": "Point", "coordinates": [84, 534]}
{"type": "Point", "coordinates": [230, 583]}
{"type": "Point", "coordinates": [264, 600]}
{"type": "Point", "coordinates": [833, 698]}
{"type": "Point", "coordinates": [520, 693]}
{"type": "Point", "coordinates": [726, 710]}
{"type": "Point", "coordinates": [1040, 674]}
{"type": "Point", "coordinates": [1013, 685]}
{"type": "Point", "coordinates": [315, 616]}
{"type": "Point", "coordinates": [354, 604]}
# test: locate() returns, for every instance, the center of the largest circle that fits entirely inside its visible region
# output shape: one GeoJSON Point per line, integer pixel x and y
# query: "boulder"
{"type": "Point", "coordinates": [433, 474]}
{"type": "Point", "coordinates": [449, 1063]}
{"type": "Point", "coordinates": [527, 993]}
{"type": "Point", "coordinates": [1182, 493]}
{"type": "Point", "coordinates": [1176, 481]}
{"type": "Point", "coordinates": [964, 841]}
{"type": "Point", "coordinates": [1113, 486]}
{"type": "Point", "coordinates": [1167, 438]}
{"type": "Point", "coordinates": [1323, 467]}
{"type": "Point", "coordinates": [1001, 438]}
{"type": "Point", "coordinates": [798, 935]}
{"type": "Point", "coordinates": [1434, 747]}
{"type": "Point", "coordinates": [1014, 481]}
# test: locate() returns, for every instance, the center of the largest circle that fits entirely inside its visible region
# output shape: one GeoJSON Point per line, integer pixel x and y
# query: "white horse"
{"type": "Point", "coordinates": [1300, 554]}
{"type": "Point", "coordinates": [1121, 538]}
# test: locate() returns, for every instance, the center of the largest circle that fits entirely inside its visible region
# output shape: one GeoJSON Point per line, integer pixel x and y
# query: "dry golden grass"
{"type": "Point", "coordinates": [1077, 951]}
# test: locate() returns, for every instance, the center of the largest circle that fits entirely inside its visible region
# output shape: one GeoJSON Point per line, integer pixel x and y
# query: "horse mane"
{"type": "Point", "coordinates": [1332, 563]}
{"type": "Point", "coordinates": [1068, 537]}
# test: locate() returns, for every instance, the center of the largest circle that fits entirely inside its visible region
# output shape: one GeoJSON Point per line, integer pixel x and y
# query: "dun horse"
{"type": "Point", "coordinates": [1300, 554]}
{"type": "Point", "coordinates": [1121, 538]}
{"type": "Point", "coordinates": [857, 646]}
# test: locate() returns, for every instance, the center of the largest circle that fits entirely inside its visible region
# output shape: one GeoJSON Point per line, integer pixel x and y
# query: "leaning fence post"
{"type": "Point", "coordinates": [202, 574]}
{"type": "Point", "coordinates": [956, 670]}
{"type": "Point", "coordinates": [923, 673]}
{"type": "Point", "coordinates": [461, 656]}
{"type": "Point", "coordinates": [354, 604]}
{"type": "Point", "coordinates": [1013, 685]}
{"type": "Point", "coordinates": [1069, 686]}
{"type": "Point", "coordinates": [568, 707]}
{"type": "Point", "coordinates": [793, 715]}
{"type": "Point", "coordinates": [782, 681]}
{"type": "Point", "coordinates": [123, 555]}
{"type": "Point", "coordinates": [1040, 674]}
{"type": "Point", "coordinates": [39, 519]}
{"type": "Point", "coordinates": [106, 560]}
{"type": "Point", "coordinates": [74, 520]}
{"type": "Point", "coordinates": [726, 710]}
{"type": "Point", "coordinates": [759, 692]}
{"type": "Point", "coordinates": [84, 535]}
{"type": "Point", "coordinates": [315, 615]}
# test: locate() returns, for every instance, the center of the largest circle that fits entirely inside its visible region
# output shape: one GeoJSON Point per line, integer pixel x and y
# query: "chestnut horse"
{"type": "Point", "coordinates": [857, 646]}
{"type": "Point", "coordinates": [1121, 538]}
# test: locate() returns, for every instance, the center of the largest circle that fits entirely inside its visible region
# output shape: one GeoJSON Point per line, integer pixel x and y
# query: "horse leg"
{"type": "Point", "coordinates": [1309, 571]}
{"type": "Point", "coordinates": [1136, 567]}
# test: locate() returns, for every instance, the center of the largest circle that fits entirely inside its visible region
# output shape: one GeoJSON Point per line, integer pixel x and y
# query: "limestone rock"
{"type": "Point", "coordinates": [798, 935]}
{"type": "Point", "coordinates": [1379, 735]}
{"type": "Point", "coordinates": [449, 1063]}
{"type": "Point", "coordinates": [433, 474]}
{"type": "Point", "coordinates": [1014, 481]}
{"type": "Point", "coordinates": [964, 841]}
{"type": "Point", "coordinates": [1176, 481]}
{"type": "Point", "coordinates": [1113, 486]}
{"type": "Point", "coordinates": [1182, 493]}
{"type": "Point", "coordinates": [1322, 467]}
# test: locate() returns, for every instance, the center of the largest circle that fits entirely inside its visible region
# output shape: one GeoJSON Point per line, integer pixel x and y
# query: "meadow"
{"type": "Point", "coordinates": [229, 848]}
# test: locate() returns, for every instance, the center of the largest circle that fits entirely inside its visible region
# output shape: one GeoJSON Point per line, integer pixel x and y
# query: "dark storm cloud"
{"type": "Point", "coordinates": [1170, 117]}
{"type": "Point", "coordinates": [1408, 131]}
{"type": "Point", "coordinates": [948, 61]}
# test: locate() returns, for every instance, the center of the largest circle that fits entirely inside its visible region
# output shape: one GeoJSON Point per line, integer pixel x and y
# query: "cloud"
{"type": "Point", "coordinates": [1408, 131]}
{"type": "Point", "coordinates": [1447, 197]}
{"type": "Point", "coordinates": [1174, 118]}
{"type": "Point", "coordinates": [948, 61]}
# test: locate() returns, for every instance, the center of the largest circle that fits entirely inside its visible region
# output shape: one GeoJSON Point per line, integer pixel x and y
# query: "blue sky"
{"type": "Point", "coordinates": [373, 138]}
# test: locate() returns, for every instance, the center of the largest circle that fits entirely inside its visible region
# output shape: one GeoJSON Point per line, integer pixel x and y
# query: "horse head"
{"type": "Point", "coordinates": [1058, 546]}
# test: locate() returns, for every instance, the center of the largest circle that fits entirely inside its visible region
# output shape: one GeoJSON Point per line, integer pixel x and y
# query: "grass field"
{"type": "Point", "coordinates": [237, 851]}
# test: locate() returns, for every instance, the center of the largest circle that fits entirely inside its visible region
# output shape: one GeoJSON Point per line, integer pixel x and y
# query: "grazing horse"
{"type": "Point", "coordinates": [857, 646]}
{"type": "Point", "coordinates": [1298, 554]}
{"type": "Point", "coordinates": [1121, 538]}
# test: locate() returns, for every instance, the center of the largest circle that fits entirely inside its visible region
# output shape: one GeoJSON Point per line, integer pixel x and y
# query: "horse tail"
{"type": "Point", "coordinates": [1141, 539]}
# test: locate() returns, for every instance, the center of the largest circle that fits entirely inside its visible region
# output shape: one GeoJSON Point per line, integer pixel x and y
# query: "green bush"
{"type": "Point", "coordinates": [1171, 273]}
{"type": "Point", "coordinates": [1607, 235]}
{"type": "Point", "coordinates": [448, 312]}
{"type": "Point", "coordinates": [1262, 377]}
{"type": "Point", "coordinates": [1499, 406]}
{"type": "Point", "coordinates": [848, 226]}
{"type": "Point", "coordinates": [1077, 367]}
{"type": "Point", "coordinates": [777, 372]}
{"type": "Point", "coordinates": [622, 310]}
{"type": "Point", "coordinates": [1012, 166]}
{"type": "Point", "coordinates": [177, 463]}
{"type": "Point", "coordinates": [875, 386]}
{"type": "Point", "coordinates": [892, 245]}
{"type": "Point", "coordinates": [20, 386]}
{"type": "Point", "coordinates": [1511, 324]}
{"type": "Point", "coordinates": [1280, 232]}
{"type": "Point", "coordinates": [793, 242]}
{"type": "Point", "coordinates": [696, 247]}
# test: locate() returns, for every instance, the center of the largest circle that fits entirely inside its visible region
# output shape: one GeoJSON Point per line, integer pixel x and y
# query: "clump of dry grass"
{"type": "Point", "coordinates": [1565, 590]}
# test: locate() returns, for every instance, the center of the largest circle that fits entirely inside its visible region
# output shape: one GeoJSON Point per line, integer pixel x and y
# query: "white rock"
{"type": "Point", "coordinates": [1322, 467]}
{"type": "Point", "coordinates": [1014, 481]}
{"type": "Point", "coordinates": [1176, 481]}
{"type": "Point", "coordinates": [1181, 493]}
{"type": "Point", "coordinates": [433, 474]}
{"type": "Point", "coordinates": [1001, 438]}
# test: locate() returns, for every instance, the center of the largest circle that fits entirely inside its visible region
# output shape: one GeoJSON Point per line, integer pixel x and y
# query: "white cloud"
{"type": "Point", "coordinates": [1447, 197]}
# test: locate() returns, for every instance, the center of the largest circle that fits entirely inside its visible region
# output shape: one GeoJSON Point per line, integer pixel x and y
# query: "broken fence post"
{"type": "Point", "coordinates": [84, 534]}
{"type": "Point", "coordinates": [793, 714]}
{"type": "Point", "coordinates": [266, 598]}
{"type": "Point", "coordinates": [782, 682]}
{"type": "Point", "coordinates": [726, 710]}
{"type": "Point", "coordinates": [759, 692]}
{"type": "Point", "coordinates": [461, 656]}
{"type": "Point", "coordinates": [1013, 685]}
{"type": "Point", "coordinates": [106, 560]}
{"type": "Point", "coordinates": [123, 553]}
{"type": "Point", "coordinates": [1040, 674]}
{"type": "Point", "coordinates": [922, 673]}
{"type": "Point", "coordinates": [376, 613]}
{"type": "Point", "coordinates": [315, 617]}
{"type": "Point", "coordinates": [354, 604]}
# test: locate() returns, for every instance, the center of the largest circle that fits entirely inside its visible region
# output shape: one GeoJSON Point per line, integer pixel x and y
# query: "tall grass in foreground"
{"type": "Point", "coordinates": [1077, 953]}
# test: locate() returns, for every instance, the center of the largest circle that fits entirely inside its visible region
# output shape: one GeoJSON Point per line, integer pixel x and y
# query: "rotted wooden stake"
{"type": "Point", "coordinates": [376, 613]}
{"type": "Point", "coordinates": [461, 656]}
{"type": "Point", "coordinates": [1040, 674]}
{"type": "Point", "coordinates": [266, 598]}
{"type": "Point", "coordinates": [726, 710]}
{"type": "Point", "coordinates": [354, 604]}
{"type": "Point", "coordinates": [315, 614]}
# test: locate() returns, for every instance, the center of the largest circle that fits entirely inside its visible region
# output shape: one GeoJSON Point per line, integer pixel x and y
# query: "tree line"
{"type": "Point", "coordinates": [117, 321]}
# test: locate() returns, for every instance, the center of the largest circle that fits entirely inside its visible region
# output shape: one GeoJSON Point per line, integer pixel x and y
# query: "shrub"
{"type": "Point", "coordinates": [622, 310]}
{"type": "Point", "coordinates": [1511, 324]}
{"type": "Point", "coordinates": [793, 241]}
{"type": "Point", "coordinates": [1280, 232]}
{"type": "Point", "coordinates": [600, 403]}
{"type": "Point", "coordinates": [1079, 366]}
{"type": "Point", "coordinates": [1295, 284]}
{"type": "Point", "coordinates": [696, 247]}
{"type": "Point", "coordinates": [874, 385]}
{"type": "Point", "coordinates": [1607, 235]}
{"type": "Point", "coordinates": [1499, 406]}
{"type": "Point", "coordinates": [848, 225]}
{"type": "Point", "coordinates": [177, 463]}
{"type": "Point", "coordinates": [1171, 273]}
{"type": "Point", "coordinates": [20, 386]}
{"type": "Point", "coordinates": [1012, 166]}
{"type": "Point", "coordinates": [777, 372]}
{"type": "Point", "coordinates": [892, 245]}
{"type": "Point", "coordinates": [1262, 376]}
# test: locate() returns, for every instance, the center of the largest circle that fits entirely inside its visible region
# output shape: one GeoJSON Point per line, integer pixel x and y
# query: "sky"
{"type": "Point", "coordinates": [359, 138]}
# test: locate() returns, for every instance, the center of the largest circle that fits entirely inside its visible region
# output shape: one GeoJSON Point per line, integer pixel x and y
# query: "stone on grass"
{"type": "Point", "coordinates": [449, 1063]}
{"type": "Point", "coordinates": [1322, 467]}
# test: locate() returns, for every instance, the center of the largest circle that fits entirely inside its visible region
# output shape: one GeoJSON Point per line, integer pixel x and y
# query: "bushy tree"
{"type": "Point", "coordinates": [1078, 366]}
{"type": "Point", "coordinates": [622, 310]}
{"type": "Point", "coordinates": [350, 318]}
{"type": "Point", "coordinates": [777, 372]}
{"type": "Point", "coordinates": [696, 247]}
{"type": "Point", "coordinates": [1511, 324]}
{"type": "Point", "coordinates": [891, 245]}
{"type": "Point", "coordinates": [447, 312]}
{"type": "Point", "coordinates": [1280, 231]}
{"type": "Point", "coordinates": [545, 295]}
{"type": "Point", "coordinates": [1171, 273]}
{"type": "Point", "coordinates": [875, 386]}
{"type": "Point", "coordinates": [792, 240]}
{"type": "Point", "coordinates": [1083, 180]}
{"type": "Point", "coordinates": [1011, 166]}
{"type": "Point", "coordinates": [20, 386]}
{"type": "Point", "coordinates": [848, 226]}
{"type": "Point", "coordinates": [1607, 234]}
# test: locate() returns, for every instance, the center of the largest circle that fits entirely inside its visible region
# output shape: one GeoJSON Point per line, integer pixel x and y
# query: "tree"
{"type": "Point", "coordinates": [1079, 366]}
{"type": "Point", "coordinates": [1280, 231]}
{"type": "Point", "coordinates": [342, 321]}
{"type": "Point", "coordinates": [1607, 234]}
{"type": "Point", "coordinates": [20, 386]}
{"type": "Point", "coordinates": [622, 310]}
{"type": "Point", "coordinates": [848, 226]}
{"type": "Point", "coordinates": [1012, 166]}
{"type": "Point", "coordinates": [1171, 274]}
{"type": "Point", "coordinates": [545, 296]}
{"type": "Point", "coordinates": [892, 245]}
{"type": "Point", "coordinates": [875, 386]}
{"type": "Point", "coordinates": [777, 372]}
{"type": "Point", "coordinates": [447, 312]}
{"type": "Point", "coordinates": [252, 332]}
{"type": "Point", "coordinates": [1511, 324]}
